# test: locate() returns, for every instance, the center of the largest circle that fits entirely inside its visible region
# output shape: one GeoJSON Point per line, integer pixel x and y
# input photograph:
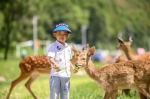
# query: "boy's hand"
{"type": "Point", "coordinates": [57, 68]}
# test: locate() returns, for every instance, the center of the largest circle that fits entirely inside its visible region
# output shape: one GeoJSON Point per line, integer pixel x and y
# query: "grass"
{"type": "Point", "coordinates": [82, 87]}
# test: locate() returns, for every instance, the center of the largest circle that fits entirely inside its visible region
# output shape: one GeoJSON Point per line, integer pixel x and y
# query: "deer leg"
{"type": "Point", "coordinates": [119, 92]}
{"type": "Point", "coordinates": [142, 96]}
{"type": "Point", "coordinates": [107, 95]}
{"type": "Point", "coordinates": [143, 91]}
{"type": "Point", "coordinates": [15, 82]}
{"type": "Point", "coordinates": [29, 82]}
{"type": "Point", "coordinates": [113, 94]}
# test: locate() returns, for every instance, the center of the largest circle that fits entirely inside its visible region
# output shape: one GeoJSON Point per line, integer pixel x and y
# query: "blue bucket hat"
{"type": "Point", "coordinates": [62, 26]}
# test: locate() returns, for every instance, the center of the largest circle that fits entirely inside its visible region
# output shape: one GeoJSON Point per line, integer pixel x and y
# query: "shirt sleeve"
{"type": "Point", "coordinates": [51, 52]}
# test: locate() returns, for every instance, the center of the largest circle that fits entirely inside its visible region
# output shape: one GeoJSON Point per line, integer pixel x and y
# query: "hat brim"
{"type": "Point", "coordinates": [59, 28]}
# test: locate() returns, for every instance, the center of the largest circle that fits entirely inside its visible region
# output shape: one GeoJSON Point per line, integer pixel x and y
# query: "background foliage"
{"type": "Point", "coordinates": [105, 19]}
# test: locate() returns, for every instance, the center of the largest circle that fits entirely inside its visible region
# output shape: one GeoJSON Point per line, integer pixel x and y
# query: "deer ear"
{"type": "Point", "coordinates": [73, 46]}
{"type": "Point", "coordinates": [91, 51]}
{"type": "Point", "coordinates": [74, 50]}
{"type": "Point", "coordinates": [120, 40]}
{"type": "Point", "coordinates": [85, 47]}
{"type": "Point", "coordinates": [130, 39]}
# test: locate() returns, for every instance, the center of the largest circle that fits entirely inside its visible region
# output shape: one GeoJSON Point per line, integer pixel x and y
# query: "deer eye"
{"type": "Point", "coordinates": [83, 58]}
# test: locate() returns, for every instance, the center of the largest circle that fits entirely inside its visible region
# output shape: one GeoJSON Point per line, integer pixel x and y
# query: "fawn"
{"type": "Point", "coordinates": [32, 67]}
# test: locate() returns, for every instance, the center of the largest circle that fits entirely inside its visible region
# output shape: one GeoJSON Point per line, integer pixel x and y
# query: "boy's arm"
{"type": "Point", "coordinates": [53, 63]}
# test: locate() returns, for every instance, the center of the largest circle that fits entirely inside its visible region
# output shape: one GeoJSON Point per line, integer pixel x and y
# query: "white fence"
{"type": "Point", "coordinates": [46, 44]}
{"type": "Point", "coordinates": [30, 43]}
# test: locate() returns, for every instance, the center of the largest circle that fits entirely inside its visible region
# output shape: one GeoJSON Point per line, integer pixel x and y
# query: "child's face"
{"type": "Point", "coordinates": [61, 36]}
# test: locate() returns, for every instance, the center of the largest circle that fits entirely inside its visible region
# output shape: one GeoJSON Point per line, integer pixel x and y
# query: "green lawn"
{"type": "Point", "coordinates": [82, 87]}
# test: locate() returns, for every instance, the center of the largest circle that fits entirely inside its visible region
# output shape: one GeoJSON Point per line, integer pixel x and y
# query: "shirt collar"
{"type": "Point", "coordinates": [59, 44]}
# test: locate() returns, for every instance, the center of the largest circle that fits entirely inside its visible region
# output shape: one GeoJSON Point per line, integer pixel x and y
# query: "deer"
{"type": "Point", "coordinates": [126, 48]}
{"type": "Point", "coordinates": [123, 58]}
{"type": "Point", "coordinates": [32, 67]}
{"type": "Point", "coordinates": [111, 77]}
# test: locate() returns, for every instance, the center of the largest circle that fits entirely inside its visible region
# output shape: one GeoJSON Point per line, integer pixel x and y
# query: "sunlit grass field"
{"type": "Point", "coordinates": [82, 87]}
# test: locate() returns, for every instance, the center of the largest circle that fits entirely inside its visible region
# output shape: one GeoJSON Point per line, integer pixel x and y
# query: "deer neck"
{"type": "Point", "coordinates": [129, 53]}
{"type": "Point", "coordinates": [90, 69]}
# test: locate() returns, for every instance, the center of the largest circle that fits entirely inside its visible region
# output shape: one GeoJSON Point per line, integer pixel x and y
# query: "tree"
{"type": "Point", "coordinates": [8, 9]}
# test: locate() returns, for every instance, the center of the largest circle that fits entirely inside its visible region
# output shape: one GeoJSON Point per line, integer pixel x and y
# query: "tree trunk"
{"type": "Point", "coordinates": [7, 44]}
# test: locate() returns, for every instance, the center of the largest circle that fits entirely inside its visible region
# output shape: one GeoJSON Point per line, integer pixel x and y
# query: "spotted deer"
{"type": "Point", "coordinates": [123, 75]}
{"type": "Point", "coordinates": [31, 67]}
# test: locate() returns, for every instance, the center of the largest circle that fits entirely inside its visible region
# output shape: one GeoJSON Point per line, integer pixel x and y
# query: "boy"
{"type": "Point", "coordinates": [59, 55]}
